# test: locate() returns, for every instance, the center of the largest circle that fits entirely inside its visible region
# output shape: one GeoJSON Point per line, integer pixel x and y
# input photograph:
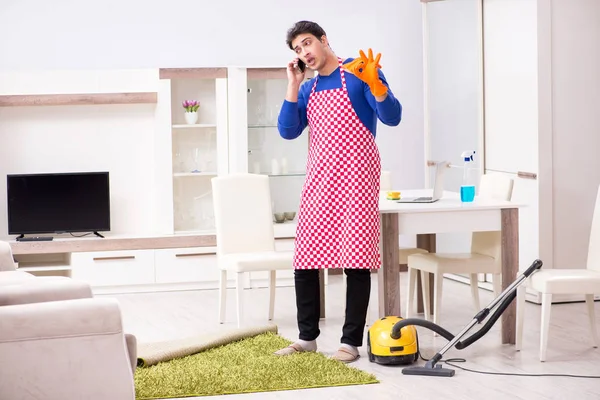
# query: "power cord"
{"type": "Point", "coordinates": [451, 362]}
{"type": "Point", "coordinates": [85, 234]}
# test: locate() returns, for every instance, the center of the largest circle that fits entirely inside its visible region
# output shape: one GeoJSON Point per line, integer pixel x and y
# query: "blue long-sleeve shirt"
{"type": "Point", "coordinates": [293, 119]}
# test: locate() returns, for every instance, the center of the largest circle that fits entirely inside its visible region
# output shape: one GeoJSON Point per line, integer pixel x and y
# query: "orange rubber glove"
{"type": "Point", "coordinates": [367, 70]}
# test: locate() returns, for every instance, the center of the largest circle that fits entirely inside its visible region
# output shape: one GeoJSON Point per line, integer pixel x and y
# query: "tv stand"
{"type": "Point", "coordinates": [98, 234]}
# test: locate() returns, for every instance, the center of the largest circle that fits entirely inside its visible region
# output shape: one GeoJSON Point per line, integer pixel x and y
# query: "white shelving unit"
{"type": "Point", "coordinates": [194, 126]}
{"type": "Point", "coordinates": [191, 153]}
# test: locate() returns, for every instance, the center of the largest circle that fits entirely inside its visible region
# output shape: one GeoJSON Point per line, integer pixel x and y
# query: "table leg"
{"type": "Point", "coordinates": [322, 291]}
{"type": "Point", "coordinates": [510, 267]}
{"type": "Point", "coordinates": [388, 277]}
{"type": "Point", "coordinates": [427, 242]}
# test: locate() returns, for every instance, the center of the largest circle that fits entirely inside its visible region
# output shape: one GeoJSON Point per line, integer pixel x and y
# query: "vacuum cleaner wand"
{"type": "Point", "coordinates": [430, 368]}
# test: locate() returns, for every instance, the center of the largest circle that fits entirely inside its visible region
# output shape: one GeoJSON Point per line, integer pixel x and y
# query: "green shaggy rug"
{"type": "Point", "coordinates": [244, 366]}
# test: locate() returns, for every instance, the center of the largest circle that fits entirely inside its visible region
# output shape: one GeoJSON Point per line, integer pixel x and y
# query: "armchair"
{"type": "Point", "coordinates": [71, 349]}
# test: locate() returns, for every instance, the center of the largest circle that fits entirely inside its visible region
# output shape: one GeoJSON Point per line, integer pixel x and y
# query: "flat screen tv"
{"type": "Point", "coordinates": [58, 203]}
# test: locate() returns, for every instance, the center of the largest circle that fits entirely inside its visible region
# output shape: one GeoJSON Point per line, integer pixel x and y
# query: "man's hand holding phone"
{"type": "Point", "coordinates": [295, 72]}
{"type": "Point", "coordinates": [295, 75]}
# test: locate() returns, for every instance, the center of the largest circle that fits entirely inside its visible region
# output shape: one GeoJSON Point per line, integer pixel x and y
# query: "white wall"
{"type": "Point", "coordinates": [66, 35]}
{"type": "Point", "coordinates": [117, 139]}
{"type": "Point", "coordinates": [454, 88]}
{"type": "Point", "coordinates": [454, 83]}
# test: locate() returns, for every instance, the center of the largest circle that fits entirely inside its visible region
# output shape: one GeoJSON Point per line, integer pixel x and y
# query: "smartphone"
{"type": "Point", "coordinates": [301, 65]}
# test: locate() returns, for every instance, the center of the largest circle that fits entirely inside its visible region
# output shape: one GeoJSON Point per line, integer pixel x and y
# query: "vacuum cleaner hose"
{"type": "Point", "coordinates": [420, 322]}
{"type": "Point", "coordinates": [488, 325]}
{"type": "Point", "coordinates": [536, 265]}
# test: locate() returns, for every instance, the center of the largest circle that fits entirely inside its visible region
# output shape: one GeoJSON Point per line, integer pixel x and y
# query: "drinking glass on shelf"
{"type": "Point", "coordinates": [210, 162]}
{"type": "Point", "coordinates": [178, 163]}
{"type": "Point", "coordinates": [197, 156]}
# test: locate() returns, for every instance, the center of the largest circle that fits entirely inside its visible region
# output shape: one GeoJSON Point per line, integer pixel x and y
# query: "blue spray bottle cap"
{"type": "Point", "coordinates": [468, 156]}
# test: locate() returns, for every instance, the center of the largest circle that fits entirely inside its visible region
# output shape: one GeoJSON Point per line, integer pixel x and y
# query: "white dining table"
{"type": "Point", "coordinates": [446, 215]}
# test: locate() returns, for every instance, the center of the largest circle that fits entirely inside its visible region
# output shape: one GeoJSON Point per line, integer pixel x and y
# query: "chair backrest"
{"type": "Point", "coordinates": [386, 180]}
{"type": "Point", "coordinates": [7, 262]}
{"type": "Point", "coordinates": [492, 186]}
{"type": "Point", "coordinates": [593, 259]}
{"type": "Point", "coordinates": [496, 186]}
{"type": "Point", "coordinates": [243, 214]}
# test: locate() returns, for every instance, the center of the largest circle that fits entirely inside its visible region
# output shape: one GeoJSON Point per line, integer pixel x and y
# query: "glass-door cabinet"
{"type": "Point", "coordinates": [255, 97]}
{"type": "Point", "coordinates": [192, 144]}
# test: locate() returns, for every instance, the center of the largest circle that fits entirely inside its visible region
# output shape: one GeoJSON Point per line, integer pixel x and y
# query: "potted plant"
{"type": "Point", "coordinates": [191, 111]}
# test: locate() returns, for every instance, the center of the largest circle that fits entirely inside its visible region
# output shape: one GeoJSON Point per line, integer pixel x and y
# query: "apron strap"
{"type": "Point", "coordinates": [340, 63]}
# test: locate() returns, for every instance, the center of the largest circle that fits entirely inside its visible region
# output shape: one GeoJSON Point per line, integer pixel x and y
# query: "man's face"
{"type": "Point", "coordinates": [310, 50]}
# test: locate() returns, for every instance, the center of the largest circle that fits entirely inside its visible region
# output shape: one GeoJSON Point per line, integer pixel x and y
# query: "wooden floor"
{"type": "Point", "coordinates": [171, 315]}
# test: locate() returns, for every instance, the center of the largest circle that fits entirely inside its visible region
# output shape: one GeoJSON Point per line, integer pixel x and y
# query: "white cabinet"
{"type": "Point", "coordinates": [513, 141]}
{"type": "Point", "coordinates": [125, 271]}
{"type": "Point", "coordinates": [188, 265]}
{"type": "Point", "coordinates": [112, 268]}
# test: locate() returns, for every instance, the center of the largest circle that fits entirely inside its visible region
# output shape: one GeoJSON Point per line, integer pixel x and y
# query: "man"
{"type": "Point", "coordinates": [338, 219]}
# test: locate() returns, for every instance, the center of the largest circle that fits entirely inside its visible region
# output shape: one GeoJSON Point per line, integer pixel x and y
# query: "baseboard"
{"type": "Point", "coordinates": [182, 286]}
{"type": "Point", "coordinates": [264, 283]}
{"type": "Point", "coordinates": [151, 288]}
{"type": "Point", "coordinates": [531, 297]}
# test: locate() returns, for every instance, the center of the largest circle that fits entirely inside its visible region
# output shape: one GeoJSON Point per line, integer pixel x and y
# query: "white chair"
{"type": "Point", "coordinates": [564, 281]}
{"type": "Point", "coordinates": [245, 236]}
{"type": "Point", "coordinates": [385, 180]}
{"type": "Point", "coordinates": [483, 258]}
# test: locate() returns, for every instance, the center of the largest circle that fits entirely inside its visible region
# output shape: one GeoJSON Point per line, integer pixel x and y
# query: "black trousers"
{"type": "Point", "coordinates": [308, 300]}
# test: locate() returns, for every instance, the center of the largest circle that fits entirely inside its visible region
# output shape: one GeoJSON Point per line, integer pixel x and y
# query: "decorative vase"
{"type": "Point", "coordinates": [191, 117]}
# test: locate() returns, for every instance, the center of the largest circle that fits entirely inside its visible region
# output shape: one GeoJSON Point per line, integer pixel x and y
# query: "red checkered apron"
{"type": "Point", "coordinates": [338, 219]}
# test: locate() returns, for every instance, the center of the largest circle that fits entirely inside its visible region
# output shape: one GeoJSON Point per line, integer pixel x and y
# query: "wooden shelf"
{"type": "Point", "coordinates": [261, 126]}
{"type": "Point", "coordinates": [45, 268]}
{"type": "Point", "coordinates": [192, 73]}
{"type": "Point", "coordinates": [191, 126]}
{"type": "Point", "coordinates": [75, 99]}
{"type": "Point", "coordinates": [288, 174]}
{"type": "Point", "coordinates": [112, 244]}
{"type": "Point", "coordinates": [187, 174]}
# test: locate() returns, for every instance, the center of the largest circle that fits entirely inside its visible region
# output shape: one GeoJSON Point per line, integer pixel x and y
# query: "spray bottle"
{"type": "Point", "coordinates": [467, 189]}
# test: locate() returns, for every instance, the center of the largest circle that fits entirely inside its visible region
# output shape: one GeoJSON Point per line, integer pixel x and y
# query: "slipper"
{"type": "Point", "coordinates": [345, 356]}
{"type": "Point", "coordinates": [291, 349]}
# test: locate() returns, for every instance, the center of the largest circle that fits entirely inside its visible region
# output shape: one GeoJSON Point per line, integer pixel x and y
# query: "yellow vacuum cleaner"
{"type": "Point", "coordinates": [393, 340]}
{"type": "Point", "coordinates": [383, 349]}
